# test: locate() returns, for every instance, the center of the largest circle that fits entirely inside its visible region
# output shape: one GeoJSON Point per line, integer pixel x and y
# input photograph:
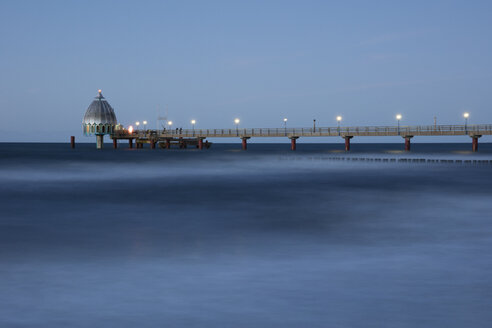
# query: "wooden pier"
{"type": "Point", "coordinates": [184, 138]}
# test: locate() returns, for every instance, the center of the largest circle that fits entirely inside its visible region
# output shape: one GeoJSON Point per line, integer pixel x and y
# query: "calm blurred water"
{"type": "Point", "coordinates": [225, 238]}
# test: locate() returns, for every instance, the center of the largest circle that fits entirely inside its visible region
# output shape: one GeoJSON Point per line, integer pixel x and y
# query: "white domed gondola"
{"type": "Point", "coordinates": [99, 119]}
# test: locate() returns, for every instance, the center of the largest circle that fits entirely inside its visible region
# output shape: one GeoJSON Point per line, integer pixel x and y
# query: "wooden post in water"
{"type": "Point", "coordinates": [115, 143]}
{"type": "Point", "coordinates": [72, 142]}
{"type": "Point", "coordinates": [130, 143]}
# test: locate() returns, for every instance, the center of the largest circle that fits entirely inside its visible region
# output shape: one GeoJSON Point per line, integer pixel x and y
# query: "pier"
{"type": "Point", "coordinates": [184, 138]}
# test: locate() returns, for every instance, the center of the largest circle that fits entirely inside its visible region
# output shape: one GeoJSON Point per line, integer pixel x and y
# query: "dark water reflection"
{"type": "Point", "coordinates": [233, 239]}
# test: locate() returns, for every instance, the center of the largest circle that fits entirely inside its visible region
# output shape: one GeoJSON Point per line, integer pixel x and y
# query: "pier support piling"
{"type": "Point", "coordinates": [130, 143]}
{"type": "Point", "coordinates": [152, 144]}
{"type": "Point", "coordinates": [347, 142]}
{"type": "Point", "coordinates": [293, 143]}
{"type": "Point", "coordinates": [475, 142]}
{"type": "Point", "coordinates": [200, 143]}
{"type": "Point", "coordinates": [245, 142]}
{"type": "Point", "coordinates": [72, 142]}
{"type": "Point", "coordinates": [115, 143]}
{"type": "Point", "coordinates": [168, 144]}
{"type": "Point", "coordinates": [407, 142]}
{"type": "Point", "coordinates": [99, 141]}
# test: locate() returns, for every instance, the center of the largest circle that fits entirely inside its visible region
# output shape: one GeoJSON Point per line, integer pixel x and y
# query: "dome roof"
{"type": "Point", "coordinates": [99, 112]}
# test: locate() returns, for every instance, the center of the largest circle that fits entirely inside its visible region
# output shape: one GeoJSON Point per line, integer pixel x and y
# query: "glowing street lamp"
{"type": "Point", "coordinates": [193, 122]}
{"type": "Point", "coordinates": [169, 124]}
{"type": "Point", "coordinates": [236, 121]}
{"type": "Point", "coordinates": [285, 125]}
{"type": "Point", "coordinates": [466, 115]}
{"type": "Point", "coordinates": [144, 124]}
{"type": "Point", "coordinates": [398, 118]}
{"type": "Point", "coordinates": [130, 129]}
{"type": "Point", "coordinates": [339, 119]}
{"type": "Point", "coordinates": [137, 124]}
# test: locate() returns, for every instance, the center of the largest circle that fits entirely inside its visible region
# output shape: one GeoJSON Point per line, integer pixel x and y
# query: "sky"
{"type": "Point", "coordinates": [260, 61]}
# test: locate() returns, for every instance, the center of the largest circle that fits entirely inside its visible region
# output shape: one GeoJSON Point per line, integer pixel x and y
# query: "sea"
{"type": "Point", "coordinates": [268, 237]}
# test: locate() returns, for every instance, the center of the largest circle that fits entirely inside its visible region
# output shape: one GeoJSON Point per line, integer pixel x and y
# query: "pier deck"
{"type": "Point", "coordinates": [196, 136]}
{"type": "Point", "coordinates": [358, 131]}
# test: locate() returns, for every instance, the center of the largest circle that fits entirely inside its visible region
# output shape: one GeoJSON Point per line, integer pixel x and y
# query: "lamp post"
{"type": "Point", "coordinates": [137, 124]}
{"type": "Point", "coordinates": [193, 122]}
{"type": "Point", "coordinates": [236, 121]}
{"type": "Point", "coordinates": [170, 123]}
{"type": "Point", "coordinates": [466, 115]}
{"type": "Point", "coordinates": [314, 125]}
{"type": "Point", "coordinates": [145, 125]}
{"type": "Point", "coordinates": [398, 118]}
{"type": "Point", "coordinates": [285, 125]}
{"type": "Point", "coordinates": [339, 119]}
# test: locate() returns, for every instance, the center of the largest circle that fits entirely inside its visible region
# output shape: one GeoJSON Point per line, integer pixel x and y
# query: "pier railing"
{"type": "Point", "coordinates": [424, 130]}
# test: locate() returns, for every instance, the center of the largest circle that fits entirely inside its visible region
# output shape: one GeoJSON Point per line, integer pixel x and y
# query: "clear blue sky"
{"type": "Point", "coordinates": [260, 61]}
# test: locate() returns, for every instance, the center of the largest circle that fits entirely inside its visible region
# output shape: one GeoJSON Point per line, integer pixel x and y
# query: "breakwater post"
{"type": "Point", "coordinates": [72, 142]}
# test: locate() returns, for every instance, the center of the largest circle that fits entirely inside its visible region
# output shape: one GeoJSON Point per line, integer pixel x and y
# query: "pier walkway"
{"type": "Point", "coordinates": [196, 136]}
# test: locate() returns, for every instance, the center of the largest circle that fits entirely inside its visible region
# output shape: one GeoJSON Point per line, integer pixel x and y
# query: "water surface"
{"type": "Point", "coordinates": [226, 238]}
